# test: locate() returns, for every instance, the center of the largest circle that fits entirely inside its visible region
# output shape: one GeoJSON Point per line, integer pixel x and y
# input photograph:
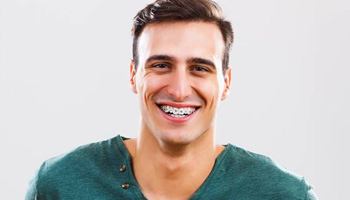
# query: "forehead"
{"type": "Point", "coordinates": [181, 40]}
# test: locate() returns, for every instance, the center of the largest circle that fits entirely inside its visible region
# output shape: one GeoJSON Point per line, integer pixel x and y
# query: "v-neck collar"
{"type": "Point", "coordinates": [197, 194]}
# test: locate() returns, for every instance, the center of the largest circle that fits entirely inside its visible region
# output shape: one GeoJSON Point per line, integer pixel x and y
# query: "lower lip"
{"type": "Point", "coordinates": [178, 120]}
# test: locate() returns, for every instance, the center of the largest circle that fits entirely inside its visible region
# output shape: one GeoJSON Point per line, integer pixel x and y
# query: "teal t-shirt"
{"type": "Point", "coordinates": [103, 171]}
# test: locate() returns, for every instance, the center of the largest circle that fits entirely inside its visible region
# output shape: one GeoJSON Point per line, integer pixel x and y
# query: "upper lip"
{"type": "Point", "coordinates": [178, 105]}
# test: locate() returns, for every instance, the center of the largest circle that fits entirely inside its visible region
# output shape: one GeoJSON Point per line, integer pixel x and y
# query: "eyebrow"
{"type": "Point", "coordinates": [196, 60]}
{"type": "Point", "coordinates": [160, 57]}
{"type": "Point", "coordinates": [202, 61]}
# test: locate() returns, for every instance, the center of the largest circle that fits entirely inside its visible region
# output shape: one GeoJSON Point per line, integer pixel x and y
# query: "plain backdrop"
{"type": "Point", "coordinates": [64, 82]}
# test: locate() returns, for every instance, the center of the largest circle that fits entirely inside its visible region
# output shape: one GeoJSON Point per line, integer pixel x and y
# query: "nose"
{"type": "Point", "coordinates": [179, 87]}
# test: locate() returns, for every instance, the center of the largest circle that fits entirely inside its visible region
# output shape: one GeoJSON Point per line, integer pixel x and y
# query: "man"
{"type": "Point", "coordinates": [180, 75]}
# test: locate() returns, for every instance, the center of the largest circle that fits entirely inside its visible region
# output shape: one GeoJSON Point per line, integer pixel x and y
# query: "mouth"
{"type": "Point", "coordinates": [178, 112]}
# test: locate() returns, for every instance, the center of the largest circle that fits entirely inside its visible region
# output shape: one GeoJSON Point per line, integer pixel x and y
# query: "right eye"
{"type": "Point", "coordinates": [160, 65]}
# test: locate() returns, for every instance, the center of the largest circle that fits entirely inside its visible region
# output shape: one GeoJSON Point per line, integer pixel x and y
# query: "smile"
{"type": "Point", "coordinates": [178, 113]}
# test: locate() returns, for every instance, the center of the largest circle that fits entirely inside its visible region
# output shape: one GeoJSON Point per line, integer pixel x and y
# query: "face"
{"type": "Point", "coordinates": [179, 80]}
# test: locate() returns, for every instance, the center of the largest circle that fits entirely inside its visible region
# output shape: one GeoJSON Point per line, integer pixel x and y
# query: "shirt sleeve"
{"type": "Point", "coordinates": [32, 189]}
{"type": "Point", "coordinates": [311, 195]}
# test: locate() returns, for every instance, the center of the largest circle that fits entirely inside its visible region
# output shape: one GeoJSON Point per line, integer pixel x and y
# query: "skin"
{"type": "Point", "coordinates": [180, 64]}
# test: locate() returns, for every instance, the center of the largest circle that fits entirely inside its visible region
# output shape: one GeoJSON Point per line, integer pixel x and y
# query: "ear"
{"type": "Point", "coordinates": [133, 76]}
{"type": "Point", "coordinates": [227, 84]}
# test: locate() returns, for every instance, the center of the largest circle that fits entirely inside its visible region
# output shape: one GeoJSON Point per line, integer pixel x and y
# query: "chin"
{"type": "Point", "coordinates": [178, 138]}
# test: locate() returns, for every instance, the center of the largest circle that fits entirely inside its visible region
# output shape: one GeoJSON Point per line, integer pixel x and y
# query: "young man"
{"type": "Point", "coordinates": [180, 74]}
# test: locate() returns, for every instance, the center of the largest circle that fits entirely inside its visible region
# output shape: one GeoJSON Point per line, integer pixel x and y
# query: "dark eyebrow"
{"type": "Point", "coordinates": [160, 57]}
{"type": "Point", "coordinates": [190, 60]}
{"type": "Point", "coordinates": [202, 61]}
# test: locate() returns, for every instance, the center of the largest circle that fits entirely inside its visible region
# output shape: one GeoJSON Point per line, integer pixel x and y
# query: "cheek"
{"type": "Point", "coordinates": [151, 84]}
{"type": "Point", "coordinates": [208, 89]}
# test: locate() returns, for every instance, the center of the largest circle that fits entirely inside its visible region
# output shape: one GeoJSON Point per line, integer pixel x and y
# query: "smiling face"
{"type": "Point", "coordinates": [179, 80]}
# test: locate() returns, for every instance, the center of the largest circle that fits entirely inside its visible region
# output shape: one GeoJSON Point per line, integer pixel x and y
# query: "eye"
{"type": "Point", "coordinates": [160, 65]}
{"type": "Point", "coordinates": [199, 68]}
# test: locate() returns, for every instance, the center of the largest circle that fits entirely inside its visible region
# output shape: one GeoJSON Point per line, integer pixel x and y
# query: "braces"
{"type": "Point", "coordinates": [177, 111]}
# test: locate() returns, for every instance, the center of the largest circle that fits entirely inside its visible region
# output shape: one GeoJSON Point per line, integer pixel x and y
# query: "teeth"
{"type": "Point", "coordinates": [178, 112]}
{"type": "Point", "coordinates": [178, 116]}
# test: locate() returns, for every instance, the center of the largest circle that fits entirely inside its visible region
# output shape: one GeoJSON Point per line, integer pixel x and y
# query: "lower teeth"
{"type": "Point", "coordinates": [177, 116]}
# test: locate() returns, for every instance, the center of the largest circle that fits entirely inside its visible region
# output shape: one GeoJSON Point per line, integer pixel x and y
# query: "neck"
{"type": "Point", "coordinates": [161, 167]}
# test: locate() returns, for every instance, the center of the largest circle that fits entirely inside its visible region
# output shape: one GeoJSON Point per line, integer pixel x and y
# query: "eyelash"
{"type": "Point", "coordinates": [194, 68]}
{"type": "Point", "coordinates": [200, 68]}
{"type": "Point", "coordinates": [160, 65]}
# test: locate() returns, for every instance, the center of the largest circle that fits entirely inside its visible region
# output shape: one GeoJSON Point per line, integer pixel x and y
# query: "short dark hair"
{"type": "Point", "coordinates": [182, 10]}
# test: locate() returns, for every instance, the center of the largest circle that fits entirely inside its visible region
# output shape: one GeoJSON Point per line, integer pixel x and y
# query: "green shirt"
{"type": "Point", "coordinates": [102, 171]}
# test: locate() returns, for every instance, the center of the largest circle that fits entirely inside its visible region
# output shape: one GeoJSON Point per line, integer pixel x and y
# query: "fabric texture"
{"type": "Point", "coordinates": [103, 171]}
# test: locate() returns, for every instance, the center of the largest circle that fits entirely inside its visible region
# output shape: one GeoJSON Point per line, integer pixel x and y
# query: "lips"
{"type": "Point", "coordinates": [177, 112]}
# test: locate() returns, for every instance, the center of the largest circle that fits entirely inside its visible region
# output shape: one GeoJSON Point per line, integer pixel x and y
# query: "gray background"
{"type": "Point", "coordinates": [64, 82]}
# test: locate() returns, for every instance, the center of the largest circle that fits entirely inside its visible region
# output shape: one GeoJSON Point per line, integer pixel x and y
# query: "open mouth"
{"type": "Point", "coordinates": [178, 112]}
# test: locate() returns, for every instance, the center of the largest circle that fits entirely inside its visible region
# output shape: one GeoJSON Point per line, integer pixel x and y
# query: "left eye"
{"type": "Point", "coordinates": [200, 69]}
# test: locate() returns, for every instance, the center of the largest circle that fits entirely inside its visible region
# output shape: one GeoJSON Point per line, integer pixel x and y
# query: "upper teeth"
{"type": "Point", "coordinates": [178, 111]}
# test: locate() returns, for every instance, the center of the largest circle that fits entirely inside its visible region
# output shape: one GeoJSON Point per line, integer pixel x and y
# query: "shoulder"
{"type": "Point", "coordinates": [86, 155]}
{"type": "Point", "coordinates": [78, 167]}
{"type": "Point", "coordinates": [260, 175]}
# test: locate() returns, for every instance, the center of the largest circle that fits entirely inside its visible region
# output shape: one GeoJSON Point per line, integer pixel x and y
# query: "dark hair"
{"type": "Point", "coordinates": [182, 10]}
